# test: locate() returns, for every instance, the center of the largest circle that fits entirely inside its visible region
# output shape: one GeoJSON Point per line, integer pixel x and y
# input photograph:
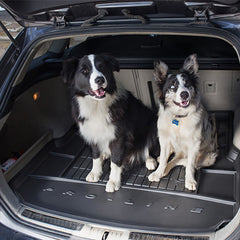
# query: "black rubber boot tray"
{"type": "Point", "coordinates": [54, 181]}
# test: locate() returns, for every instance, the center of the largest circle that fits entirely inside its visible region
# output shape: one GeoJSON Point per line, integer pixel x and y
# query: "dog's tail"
{"type": "Point", "coordinates": [208, 160]}
{"type": "Point", "coordinates": [173, 163]}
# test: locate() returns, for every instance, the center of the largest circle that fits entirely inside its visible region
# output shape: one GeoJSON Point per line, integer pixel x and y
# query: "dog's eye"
{"type": "Point", "coordinates": [100, 66]}
{"type": "Point", "coordinates": [188, 84]}
{"type": "Point", "coordinates": [85, 71]}
{"type": "Point", "coordinates": [172, 87]}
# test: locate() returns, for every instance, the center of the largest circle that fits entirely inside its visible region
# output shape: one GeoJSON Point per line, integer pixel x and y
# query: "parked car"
{"type": "Point", "coordinates": [44, 194]}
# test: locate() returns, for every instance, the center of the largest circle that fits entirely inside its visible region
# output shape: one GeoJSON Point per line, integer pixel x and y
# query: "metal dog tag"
{"type": "Point", "coordinates": [175, 122]}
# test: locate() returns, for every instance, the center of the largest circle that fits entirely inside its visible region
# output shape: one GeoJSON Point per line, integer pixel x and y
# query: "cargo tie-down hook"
{"type": "Point", "coordinates": [101, 13]}
{"type": "Point", "coordinates": [127, 13]}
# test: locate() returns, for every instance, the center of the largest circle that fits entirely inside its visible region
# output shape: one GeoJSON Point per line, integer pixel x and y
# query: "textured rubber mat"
{"type": "Point", "coordinates": [137, 177]}
{"type": "Point", "coordinates": [55, 180]}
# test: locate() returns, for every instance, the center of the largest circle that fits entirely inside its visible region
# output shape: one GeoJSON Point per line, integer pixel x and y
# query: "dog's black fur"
{"type": "Point", "coordinates": [134, 124]}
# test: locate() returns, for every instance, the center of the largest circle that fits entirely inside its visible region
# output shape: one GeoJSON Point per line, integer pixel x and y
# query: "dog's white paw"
{"type": "Point", "coordinates": [112, 186]}
{"type": "Point", "coordinates": [191, 184]}
{"type": "Point", "coordinates": [154, 177]}
{"type": "Point", "coordinates": [93, 177]}
{"type": "Point", "coordinates": [151, 164]}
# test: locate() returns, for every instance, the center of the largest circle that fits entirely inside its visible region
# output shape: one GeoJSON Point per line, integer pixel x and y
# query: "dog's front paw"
{"type": "Point", "coordinates": [112, 186]}
{"type": "Point", "coordinates": [191, 184]}
{"type": "Point", "coordinates": [151, 163]}
{"type": "Point", "coordinates": [154, 177]}
{"type": "Point", "coordinates": [93, 177]}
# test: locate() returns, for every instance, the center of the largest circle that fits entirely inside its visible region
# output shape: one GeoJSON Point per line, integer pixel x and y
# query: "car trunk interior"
{"type": "Point", "coordinates": [49, 176]}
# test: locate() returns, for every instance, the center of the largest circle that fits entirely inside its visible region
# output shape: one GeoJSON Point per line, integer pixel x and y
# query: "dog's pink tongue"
{"type": "Point", "coordinates": [184, 103]}
{"type": "Point", "coordinates": [100, 92]}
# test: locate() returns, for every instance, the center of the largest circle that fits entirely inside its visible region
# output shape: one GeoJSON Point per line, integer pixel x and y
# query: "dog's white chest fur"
{"type": "Point", "coordinates": [181, 133]}
{"type": "Point", "coordinates": [96, 127]}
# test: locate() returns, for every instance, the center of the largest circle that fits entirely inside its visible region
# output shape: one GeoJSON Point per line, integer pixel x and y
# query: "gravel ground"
{"type": "Point", "coordinates": [13, 27]}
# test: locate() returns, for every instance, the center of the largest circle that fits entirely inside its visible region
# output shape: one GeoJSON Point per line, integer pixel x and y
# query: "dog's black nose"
{"type": "Point", "coordinates": [184, 95]}
{"type": "Point", "coordinates": [99, 80]}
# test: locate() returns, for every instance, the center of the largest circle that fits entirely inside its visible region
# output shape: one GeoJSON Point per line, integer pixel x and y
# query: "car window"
{"type": "Point", "coordinates": [12, 26]}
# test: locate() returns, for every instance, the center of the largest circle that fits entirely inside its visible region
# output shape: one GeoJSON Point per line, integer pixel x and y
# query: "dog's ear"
{"type": "Point", "coordinates": [160, 75]}
{"type": "Point", "coordinates": [68, 69]}
{"type": "Point", "coordinates": [190, 64]}
{"type": "Point", "coordinates": [160, 71]}
{"type": "Point", "coordinates": [112, 61]}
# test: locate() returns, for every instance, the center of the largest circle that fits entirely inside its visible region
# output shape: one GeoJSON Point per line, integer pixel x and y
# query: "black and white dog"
{"type": "Point", "coordinates": [110, 119]}
{"type": "Point", "coordinates": [184, 126]}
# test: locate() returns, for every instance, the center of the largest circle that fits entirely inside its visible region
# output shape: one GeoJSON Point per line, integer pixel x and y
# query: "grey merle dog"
{"type": "Point", "coordinates": [184, 126]}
